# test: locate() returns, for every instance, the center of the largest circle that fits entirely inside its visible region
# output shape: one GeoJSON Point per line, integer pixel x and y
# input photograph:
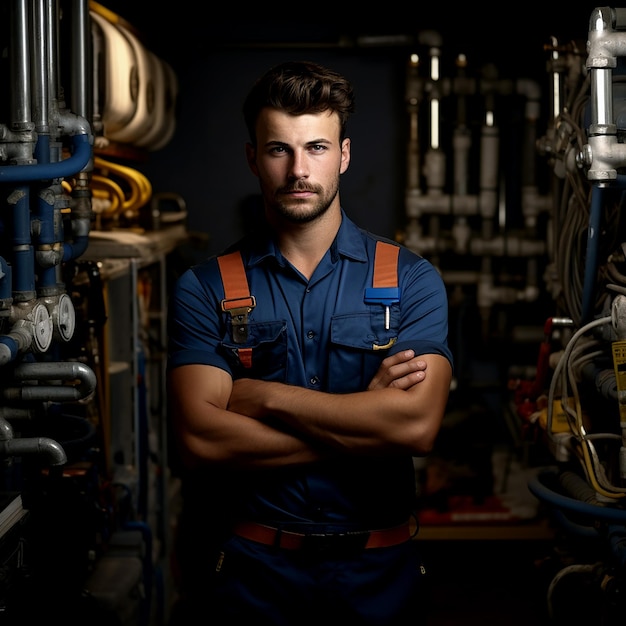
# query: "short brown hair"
{"type": "Point", "coordinates": [299, 87]}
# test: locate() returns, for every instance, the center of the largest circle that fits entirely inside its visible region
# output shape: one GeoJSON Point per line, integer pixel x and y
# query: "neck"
{"type": "Point", "coordinates": [304, 245]}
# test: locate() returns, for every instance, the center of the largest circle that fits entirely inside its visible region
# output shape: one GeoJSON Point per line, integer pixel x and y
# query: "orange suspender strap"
{"type": "Point", "coordinates": [386, 265]}
{"type": "Point", "coordinates": [236, 291]}
{"type": "Point", "coordinates": [237, 300]}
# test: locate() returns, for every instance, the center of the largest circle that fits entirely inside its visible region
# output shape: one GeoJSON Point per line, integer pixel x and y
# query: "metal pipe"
{"type": "Point", "coordinates": [20, 67]}
{"type": "Point", "coordinates": [40, 88]}
{"type": "Point", "coordinates": [66, 168]}
{"type": "Point", "coordinates": [39, 446]}
{"type": "Point", "coordinates": [82, 60]}
{"type": "Point", "coordinates": [83, 376]}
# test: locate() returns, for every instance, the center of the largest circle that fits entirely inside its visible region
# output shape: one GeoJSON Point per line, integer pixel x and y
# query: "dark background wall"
{"type": "Point", "coordinates": [217, 59]}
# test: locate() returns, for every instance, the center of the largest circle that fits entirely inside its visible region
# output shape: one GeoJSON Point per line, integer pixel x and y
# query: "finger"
{"type": "Point", "coordinates": [408, 381]}
{"type": "Point", "coordinates": [399, 357]}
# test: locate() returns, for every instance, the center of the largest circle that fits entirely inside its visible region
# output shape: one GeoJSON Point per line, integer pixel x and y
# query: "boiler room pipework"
{"type": "Point", "coordinates": [36, 292]}
{"type": "Point", "coordinates": [44, 225]}
{"type": "Point", "coordinates": [603, 153]}
{"type": "Point", "coordinates": [464, 205]}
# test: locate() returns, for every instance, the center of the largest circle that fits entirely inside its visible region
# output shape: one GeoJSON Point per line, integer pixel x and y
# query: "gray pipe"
{"type": "Point", "coordinates": [20, 68]}
{"type": "Point", "coordinates": [43, 446]}
{"type": "Point", "coordinates": [41, 68]}
{"type": "Point", "coordinates": [40, 446]}
{"type": "Point", "coordinates": [67, 370]}
{"type": "Point", "coordinates": [82, 59]}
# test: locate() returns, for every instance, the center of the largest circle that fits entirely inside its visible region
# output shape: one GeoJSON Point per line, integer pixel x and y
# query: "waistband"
{"type": "Point", "coordinates": [288, 540]}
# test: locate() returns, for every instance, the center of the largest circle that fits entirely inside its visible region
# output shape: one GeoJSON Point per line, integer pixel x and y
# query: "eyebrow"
{"type": "Point", "coordinates": [312, 142]}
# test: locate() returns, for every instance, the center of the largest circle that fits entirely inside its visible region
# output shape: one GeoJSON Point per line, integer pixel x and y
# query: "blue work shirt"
{"type": "Point", "coordinates": [319, 334]}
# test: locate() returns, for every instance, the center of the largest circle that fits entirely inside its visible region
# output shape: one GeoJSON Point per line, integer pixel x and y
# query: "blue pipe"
{"type": "Point", "coordinates": [614, 531]}
{"type": "Point", "coordinates": [6, 281]}
{"type": "Point", "coordinates": [48, 235]}
{"type": "Point", "coordinates": [75, 249]}
{"type": "Point", "coordinates": [573, 528]}
{"type": "Point", "coordinates": [24, 257]}
{"type": "Point", "coordinates": [591, 258]}
{"type": "Point", "coordinates": [12, 347]}
{"type": "Point", "coordinates": [42, 149]}
{"type": "Point", "coordinates": [608, 514]}
{"type": "Point", "coordinates": [48, 230]}
{"type": "Point", "coordinates": [68, 167]}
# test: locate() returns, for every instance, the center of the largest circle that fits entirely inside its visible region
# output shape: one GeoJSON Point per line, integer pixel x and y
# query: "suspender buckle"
{"type": "Point", "coordinates": [239, 310]}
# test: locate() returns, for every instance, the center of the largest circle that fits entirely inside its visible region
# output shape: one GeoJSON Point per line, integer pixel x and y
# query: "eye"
{"type": "Point", "coordinates": [277, 150]}
{"type": "Point", "coordinates": [317, 147]}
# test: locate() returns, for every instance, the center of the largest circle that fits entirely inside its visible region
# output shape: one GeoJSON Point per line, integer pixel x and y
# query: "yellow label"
{"type": "Point", "coordinates": [559, 418]}
{"type": "Point", "coordinates": [619, 365]}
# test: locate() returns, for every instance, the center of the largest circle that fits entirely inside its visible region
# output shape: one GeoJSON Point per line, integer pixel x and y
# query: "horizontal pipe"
{"type": "Point", "coordinates": [48, 171]}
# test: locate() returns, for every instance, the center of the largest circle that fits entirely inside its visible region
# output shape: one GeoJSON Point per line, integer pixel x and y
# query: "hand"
{"type": "Point", "coordinates": [401, 370]}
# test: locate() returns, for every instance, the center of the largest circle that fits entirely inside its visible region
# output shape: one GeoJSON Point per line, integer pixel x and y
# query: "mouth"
{"type": "Point", "coordinates": [297, 189]}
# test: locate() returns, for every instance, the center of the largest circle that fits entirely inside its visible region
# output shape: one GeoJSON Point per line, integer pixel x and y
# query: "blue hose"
{"type": "Point", "coordinates": [539, 488]}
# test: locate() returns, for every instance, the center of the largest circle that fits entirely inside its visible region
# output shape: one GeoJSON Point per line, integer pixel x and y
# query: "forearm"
{"type": "Point", "coordinates": [239, 441]}
{"type": "Point", "coordinates": [374, 421]}
{"type": "Point", "coordinates": [208, 433]}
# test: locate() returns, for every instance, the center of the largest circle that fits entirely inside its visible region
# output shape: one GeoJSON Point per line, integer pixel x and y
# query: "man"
{"type": "Point", "coordinates": [299, 412]}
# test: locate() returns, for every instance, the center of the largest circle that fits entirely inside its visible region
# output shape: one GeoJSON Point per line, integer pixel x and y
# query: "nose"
{"type": "Point", "coordinates": [299, 165]}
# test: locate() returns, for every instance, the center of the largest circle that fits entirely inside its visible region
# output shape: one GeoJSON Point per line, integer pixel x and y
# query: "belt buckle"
{"type": "Point", "coordinates": [329, 542]}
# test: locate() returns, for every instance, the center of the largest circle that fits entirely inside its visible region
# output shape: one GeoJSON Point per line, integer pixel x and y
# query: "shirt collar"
{"type": "Point", "coordinates": [349, 243]}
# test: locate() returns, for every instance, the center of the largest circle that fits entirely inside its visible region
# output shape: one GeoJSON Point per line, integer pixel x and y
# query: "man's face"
{"type": "Point", "coordinates": [298, 160]}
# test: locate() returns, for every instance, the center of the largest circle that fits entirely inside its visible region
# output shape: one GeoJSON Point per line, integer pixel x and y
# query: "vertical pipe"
{"type": "Point", "coordinates": [40, 68]}
{"type": "Point", "coordinates": [6, 283]}
{"type": "Point", "coordinates": [413, 100]}
{"type": "Point", "coordinates": [461, 141]}
{"type": "Point", "coordinates": [82, 60]}
{"type": "Point", "coordinates": [601, 96]}
{"type": "Point", "coordinates": [52, 53]}
{"type": "Point", "coordinates": [434, 101]}
{"type": "Point", "coordinates": [20, 69]}
{"type": "Point", "coordinates": [22, 249]}
{"type": "Point", "coordinates": [556, 81]}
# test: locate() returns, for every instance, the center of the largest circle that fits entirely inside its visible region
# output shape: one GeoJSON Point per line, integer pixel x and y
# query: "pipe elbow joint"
{"type": "Point", "coordinates": [40, 446]}
{"type": "Point", "coordinates": [74, 124]}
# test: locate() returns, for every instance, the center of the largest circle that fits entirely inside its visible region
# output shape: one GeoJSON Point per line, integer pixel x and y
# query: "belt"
{"type": "Point", "coordinates": [289, 540]}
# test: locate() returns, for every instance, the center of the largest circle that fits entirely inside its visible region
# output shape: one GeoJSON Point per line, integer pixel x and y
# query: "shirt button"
{"type": "Point", "coordinates": [310, 334]}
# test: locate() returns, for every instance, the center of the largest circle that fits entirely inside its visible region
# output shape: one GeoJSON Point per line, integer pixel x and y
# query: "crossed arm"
{"type": "Point", "coordinates": [255, 423]}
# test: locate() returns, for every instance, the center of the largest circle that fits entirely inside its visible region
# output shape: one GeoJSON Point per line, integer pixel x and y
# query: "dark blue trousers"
{"type": "Point", "coordinates": [278, 587]}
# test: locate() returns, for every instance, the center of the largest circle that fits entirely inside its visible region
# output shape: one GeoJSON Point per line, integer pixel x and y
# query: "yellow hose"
{"type": "Point", "coordinates": [140, 188]}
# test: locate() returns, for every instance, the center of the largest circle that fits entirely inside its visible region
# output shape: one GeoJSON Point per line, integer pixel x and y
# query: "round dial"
{"type": "Point", "coordinates": [65, 318]}
{"type": "Point", "coordinates": [42, 328]}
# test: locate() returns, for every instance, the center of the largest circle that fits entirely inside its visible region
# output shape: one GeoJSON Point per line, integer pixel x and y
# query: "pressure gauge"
{"type": "Point", "coordinates": [64, 317]}
{"type": "Point", "coordinates": [42, 328]}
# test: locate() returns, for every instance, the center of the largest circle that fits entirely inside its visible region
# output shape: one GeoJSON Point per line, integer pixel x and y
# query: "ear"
{"type": "Point", "coordinates": [345, 155]}
{"type": "Point", "coordinates": [251, 158]}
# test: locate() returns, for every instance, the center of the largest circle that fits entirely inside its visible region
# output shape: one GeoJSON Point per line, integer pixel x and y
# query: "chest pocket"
{"type": "Point", "coordinates": [256, 350]}
{"type": "Point", "coordinates": [264, 353]}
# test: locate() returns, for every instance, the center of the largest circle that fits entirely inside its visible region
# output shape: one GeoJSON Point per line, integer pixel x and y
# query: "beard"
{"type": "Point", "coordinates": [301, 211]}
